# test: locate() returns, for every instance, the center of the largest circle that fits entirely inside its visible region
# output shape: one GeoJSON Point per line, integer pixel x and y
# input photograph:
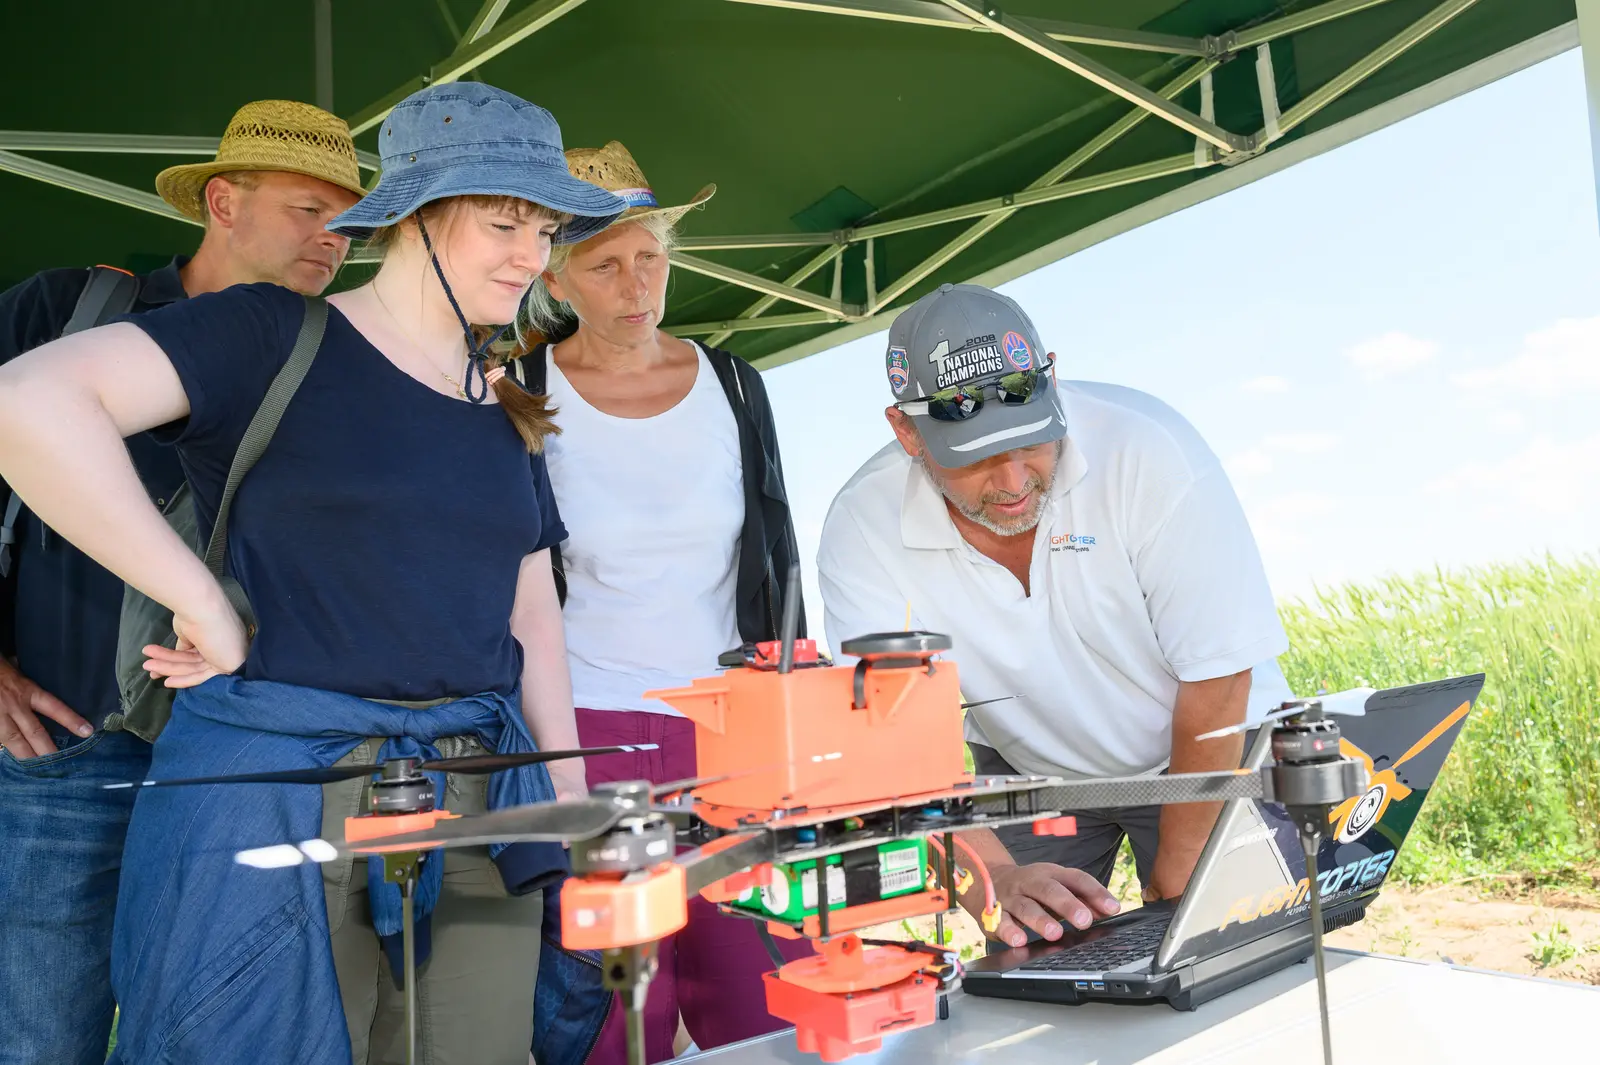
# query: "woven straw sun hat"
{"type": "Point", "coordinates": [614, 170]}
{"type": "Point", "coordinates": [281, 135]}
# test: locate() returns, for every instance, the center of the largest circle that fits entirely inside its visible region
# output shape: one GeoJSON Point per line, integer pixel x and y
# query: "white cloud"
{"type": "Point", "coordinates": [1259, 460]}
{"type": "Point", "coordinates": [1546, 477]}
{"type": "Point", "coordinates": [1266, 385]}
{"type": "Point", "coordinates": [1283, 521]}
{"type": "Point", "coordinates": [1301, 443]}
{"type": "Point", "coordinates": [1252, 463]}
{"type": "Point", "coordinates": [1391, 353]}
{"type": "Point", "coordinates": [1507, 421]}
{"type": "Point", "coordinates": [1553, 361]}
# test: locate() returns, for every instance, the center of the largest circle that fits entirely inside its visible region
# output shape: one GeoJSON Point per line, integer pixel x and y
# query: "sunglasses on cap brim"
{"type": "Point", "coordinates": [960, 402]}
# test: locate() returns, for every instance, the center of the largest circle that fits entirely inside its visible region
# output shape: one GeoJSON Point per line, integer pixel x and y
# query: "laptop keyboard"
{"type": "Point", "coordinates": [1127, 944]}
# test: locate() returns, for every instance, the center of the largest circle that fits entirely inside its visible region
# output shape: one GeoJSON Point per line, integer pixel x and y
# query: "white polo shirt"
{"type": "Point", "coordinates": [1144, 574]}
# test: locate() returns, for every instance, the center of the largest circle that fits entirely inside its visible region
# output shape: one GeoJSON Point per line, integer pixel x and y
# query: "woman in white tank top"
{"type": "Point", "coordinates": [675, 553]}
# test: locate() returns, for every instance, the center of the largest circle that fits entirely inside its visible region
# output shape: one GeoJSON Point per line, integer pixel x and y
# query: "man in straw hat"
{"type": "Point", "coordinates": [282, 171]}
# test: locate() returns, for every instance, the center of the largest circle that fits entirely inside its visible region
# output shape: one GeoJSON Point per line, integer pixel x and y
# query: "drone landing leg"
{"type": "Point", "coordinates": [402, 869]}
{"type": "Point", "coordinates": [409, 949]}
{"type": "Point", "coordinates": [628, 971]}
{"type": "Point", "coordinates": [1311, 843]}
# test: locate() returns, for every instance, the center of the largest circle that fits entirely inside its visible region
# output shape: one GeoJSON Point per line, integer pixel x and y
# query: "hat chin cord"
{"type": "Point", "coordinates": [477, 354]}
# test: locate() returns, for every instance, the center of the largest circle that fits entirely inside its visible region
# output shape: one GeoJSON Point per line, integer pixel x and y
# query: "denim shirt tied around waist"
{"type": "Point", "coordinates": [216, 961]}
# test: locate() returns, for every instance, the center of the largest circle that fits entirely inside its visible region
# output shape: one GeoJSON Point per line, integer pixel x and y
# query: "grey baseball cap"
{"type": "Point", "coordinates": [961, 335]}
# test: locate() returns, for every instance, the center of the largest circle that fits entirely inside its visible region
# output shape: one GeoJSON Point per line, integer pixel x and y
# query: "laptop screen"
{"type": "Point", "coordinates": [1251, 879]}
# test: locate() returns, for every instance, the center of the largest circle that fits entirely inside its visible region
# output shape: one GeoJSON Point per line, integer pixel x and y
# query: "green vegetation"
{"type": "Point", "coordinates": [1520, 793]}
{"type": "Point", "coordinates": [1554, 947]}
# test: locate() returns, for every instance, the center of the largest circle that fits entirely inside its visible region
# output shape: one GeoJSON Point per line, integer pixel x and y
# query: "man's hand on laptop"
{"type": "Point", "coordinates": [1040, 896]}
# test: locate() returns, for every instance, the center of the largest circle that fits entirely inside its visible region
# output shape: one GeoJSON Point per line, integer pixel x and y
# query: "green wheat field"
{"type": "Point", "coordinates": [1521, 790]}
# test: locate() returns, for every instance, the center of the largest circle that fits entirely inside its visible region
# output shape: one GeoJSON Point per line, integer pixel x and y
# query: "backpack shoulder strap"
{"type": "Point", "coordinates": [265, 422]}
{"type": "Point", "coordinates": [109, 292]}
{"type": "Point", "coordinates": [8, 533]}
{"type": "Point", "coordinates": [530, 371]}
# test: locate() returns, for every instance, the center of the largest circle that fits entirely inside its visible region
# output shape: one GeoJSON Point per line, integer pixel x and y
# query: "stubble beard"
{"type": "Point", "coordinates": [978, 513]}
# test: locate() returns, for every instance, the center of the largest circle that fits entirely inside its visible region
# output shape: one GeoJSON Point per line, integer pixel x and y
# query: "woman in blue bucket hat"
{"type": "Point", "coordinates": [393, 551]}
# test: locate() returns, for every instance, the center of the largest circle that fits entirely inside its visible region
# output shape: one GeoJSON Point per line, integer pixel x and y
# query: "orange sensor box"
{"type": "Point", "coordinates": [818, 737]}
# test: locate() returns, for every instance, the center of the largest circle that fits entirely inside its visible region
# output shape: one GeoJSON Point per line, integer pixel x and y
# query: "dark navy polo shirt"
{"type": "Point", "coordinates": [59, 610]}
{"type": "Point", "coordinates": [380, 535]}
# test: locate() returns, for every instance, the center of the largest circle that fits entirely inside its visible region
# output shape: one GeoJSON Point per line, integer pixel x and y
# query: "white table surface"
{"type": "Point", "coordinates": [1383, 1010]}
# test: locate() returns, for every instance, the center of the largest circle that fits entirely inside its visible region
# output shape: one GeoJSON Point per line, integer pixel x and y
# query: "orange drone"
{"type": "Point", "coordinates": [852, 823]}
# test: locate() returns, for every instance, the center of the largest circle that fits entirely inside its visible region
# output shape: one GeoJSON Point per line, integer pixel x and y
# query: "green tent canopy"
{"type": "Point", "coordinates": [865, 150]}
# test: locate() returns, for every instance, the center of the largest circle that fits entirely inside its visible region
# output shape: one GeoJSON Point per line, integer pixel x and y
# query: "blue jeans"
{"type": "Point", "coordinates": [61, 839]}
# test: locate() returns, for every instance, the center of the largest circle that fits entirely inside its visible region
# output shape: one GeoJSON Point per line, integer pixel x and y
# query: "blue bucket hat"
{"type": "Point", "coordinates": [466, 138]}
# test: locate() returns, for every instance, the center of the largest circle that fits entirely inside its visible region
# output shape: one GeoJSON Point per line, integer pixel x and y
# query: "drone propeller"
{"type": "Point", "coordinates": [546, 822]}
{"type": "Point", "coordinates": [479, 763]}
{"type": "Point", "coordinates": [986, 702]}
{"type": "Point", "coordinates": [1352, 703]}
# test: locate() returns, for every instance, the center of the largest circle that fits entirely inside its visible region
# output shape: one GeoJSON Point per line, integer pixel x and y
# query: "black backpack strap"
{"type": "Point", "coordinates": [110, 292]}
{"type": "Point", "coordinates": [8, 533]}
{"type": "Point", "coordinates": [531, 373]}
{"type": "Point", "coordinates": [258, 434]}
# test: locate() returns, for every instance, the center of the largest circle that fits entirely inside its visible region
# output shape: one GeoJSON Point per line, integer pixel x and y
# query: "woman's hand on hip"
{"type": "Point", "coordinates": [210, 643]}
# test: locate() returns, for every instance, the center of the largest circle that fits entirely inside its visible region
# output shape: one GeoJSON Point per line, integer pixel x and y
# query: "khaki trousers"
{"type": "Point", "coordinates": [475, 992]}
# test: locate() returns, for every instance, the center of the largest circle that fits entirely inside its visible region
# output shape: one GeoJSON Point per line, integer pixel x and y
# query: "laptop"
{"type": "Point", "coordinates": [1245, 913]}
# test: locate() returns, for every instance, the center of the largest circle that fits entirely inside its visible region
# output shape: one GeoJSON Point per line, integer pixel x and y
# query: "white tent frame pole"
{"type": "Point", "coordinates": [485, 20]}
{"type": "Point", "coordinates": [322, 43]}
{"type": "Point", "coordinates": [1024, 34]}
{"type": "Point", "coordinates": [1589, 43]}
{"type": "Point", "coordinates": [760, 240]}
{"type": "Point", "coordinates": [760, 306]}
{"type": "Point", "coordinates": [124, 144]}
{"type": "Point", "coordinates": [90, 185]}
{"type": "Point", "coordinates": [1448, 87]}
{"type": "Point", "coordinates": [1029, 197]}
{"type": "Point", "coordinates": [997, 211]}
{"type": "Point", "coordinates": [760, 284]}
{"type": "Point", "coordinates": [931, 13]}
{"type": "Point", "coordinates": [741, 325]}
{"type": "Point", "coordinates": [982, 228]}
{"type": "Point", "coordinates": [470, 54]}
{"type": "Point", "coordinates": [1267, 85]}
{"type": "Point", "coordinates": [1372, 62]}
{"type": "Point", "coordinates": [1239, 40]}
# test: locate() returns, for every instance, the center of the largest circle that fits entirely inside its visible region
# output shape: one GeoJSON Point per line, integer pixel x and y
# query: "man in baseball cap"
{"type": "Point", "coordinates": [1083, 549]}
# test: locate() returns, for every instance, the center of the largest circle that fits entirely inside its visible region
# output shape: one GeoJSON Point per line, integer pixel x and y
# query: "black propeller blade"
{"type": "Point", "coordinates": [478, 763]}
{"type": "Point", "coordinates": [986, 702]}
{"type": "Point", "coordinates": [549, 822]}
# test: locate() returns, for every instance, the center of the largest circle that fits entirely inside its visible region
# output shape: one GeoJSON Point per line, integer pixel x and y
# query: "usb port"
{"type": "Point", "coordinates": [1080, 985]}
{"type": "Point", "coordinates": [1098, 986]}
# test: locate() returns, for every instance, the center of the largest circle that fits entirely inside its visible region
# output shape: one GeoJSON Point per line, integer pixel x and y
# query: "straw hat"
{"type": "Point", "coordinates": [269, 135]}
{"type": "Point", "coordinates": [614, 170]}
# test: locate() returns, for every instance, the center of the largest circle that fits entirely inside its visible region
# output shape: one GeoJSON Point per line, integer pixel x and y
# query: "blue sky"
{"type": "Point", "coordinates": [1395, 346]}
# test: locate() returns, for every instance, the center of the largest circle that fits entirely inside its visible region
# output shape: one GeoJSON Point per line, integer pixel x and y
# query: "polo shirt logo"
{"type": "Point", "coordinates": [1071, 542]}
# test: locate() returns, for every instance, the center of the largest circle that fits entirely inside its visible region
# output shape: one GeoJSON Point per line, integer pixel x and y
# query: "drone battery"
{"type": "Point", "coordinates": [853, 879]}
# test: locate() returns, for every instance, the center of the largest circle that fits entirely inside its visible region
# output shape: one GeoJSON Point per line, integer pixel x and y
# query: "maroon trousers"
{"type": "Point", "coordinates": [710, 971]}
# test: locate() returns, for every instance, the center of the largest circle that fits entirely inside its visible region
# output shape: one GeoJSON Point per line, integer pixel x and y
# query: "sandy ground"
{"type": "Point", "coordinates": [1539, 934]}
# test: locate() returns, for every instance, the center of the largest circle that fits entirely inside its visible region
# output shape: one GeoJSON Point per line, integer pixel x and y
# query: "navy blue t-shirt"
{"type": "Point", "coordinates": [379, 536]}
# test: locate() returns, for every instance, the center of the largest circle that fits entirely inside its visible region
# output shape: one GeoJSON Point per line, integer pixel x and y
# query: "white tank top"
{"type": "Point", "coordinates": [654, 508]}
